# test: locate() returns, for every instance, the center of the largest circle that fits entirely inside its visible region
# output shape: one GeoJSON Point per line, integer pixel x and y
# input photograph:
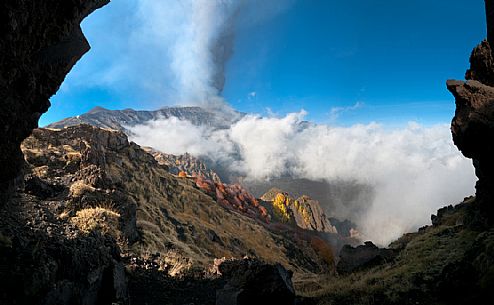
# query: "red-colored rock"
{"type": "Point", "coordinates": [233, 196]}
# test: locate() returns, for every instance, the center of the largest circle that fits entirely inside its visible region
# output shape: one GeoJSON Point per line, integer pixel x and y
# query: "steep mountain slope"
{"type": "Point", "coordinates": [82, 168]}
{"type": "Point", "coordinates": [337, 198]}
{"type": "Point", "coordinates": [448, 262]}
{"type": "Point", "coordinates": [186, 163]}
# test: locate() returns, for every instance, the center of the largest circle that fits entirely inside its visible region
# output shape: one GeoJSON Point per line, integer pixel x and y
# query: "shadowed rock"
{"type": "Point", "coordinates": [253, 282]}
{"type": "Point", "coordinates": [41, 40]}
{"type": "Point", "coordinates": [473, 124]}
{"type": "Point", "coordinates": [489, 8]}
{"type": "Point", "coordinates": [362, 257]}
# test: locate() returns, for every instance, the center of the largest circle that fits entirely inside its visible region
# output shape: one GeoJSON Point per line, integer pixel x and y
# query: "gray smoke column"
{"type": "Point", "coordinates": [202, 49]}
{"type": "Point", "coordinates": [221, 51]}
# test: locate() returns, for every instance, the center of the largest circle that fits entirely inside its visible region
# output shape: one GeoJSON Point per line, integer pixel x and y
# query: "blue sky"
{"type": "Point", "coordinates": [344, 62]}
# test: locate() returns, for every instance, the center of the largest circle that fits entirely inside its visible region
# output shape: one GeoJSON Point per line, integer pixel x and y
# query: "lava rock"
{"type": "Point", "coordinates": [37, 187]}
{"type": "Point", "coordinates": [41, 40]}
{"type": "Point", "coordinates": [250, 281]}
{"type": "Point", "coordinates": [473, 124]}
{"type": "Point", "coordinates": [362, 257]}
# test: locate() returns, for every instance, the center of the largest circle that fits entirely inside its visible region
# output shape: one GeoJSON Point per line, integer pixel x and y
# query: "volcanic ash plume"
{"type": "Point", "coordinates": [202, 49]}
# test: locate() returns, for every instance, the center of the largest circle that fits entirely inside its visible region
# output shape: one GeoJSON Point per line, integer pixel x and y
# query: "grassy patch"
{"type": "Point", "coordinates": [98, 219]}
{"type": "Point", "coordinates": [412, 275]}
{"type": "Point", "coordinates": [79, 188]}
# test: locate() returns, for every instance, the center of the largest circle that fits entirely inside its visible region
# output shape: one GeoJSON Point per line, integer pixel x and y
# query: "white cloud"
{"type": "Point", "coordinates": [335, 112]}
{"type": "Point", "coordinates": [414, 170]}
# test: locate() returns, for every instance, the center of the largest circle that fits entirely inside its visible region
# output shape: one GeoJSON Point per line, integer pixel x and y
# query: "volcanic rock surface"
{"type": "Point", "coordinates": [186, 163]}
{"type": "Point", "coordinates": [303, 212]}
{"type": "Point", "coordinates": [82, 168]}
{"type": "Point", "coordinates": [40, 41]}
{"type": "Point", "coordinates": [46, 260]}
{"type": "Point", "coordinates": [363, 256]}
{"type": "Point", "coordinates": [251, 282]}
{"type": "Point", "coordinates": [99, 215]}
{"type": "Point", "coordinates": [473, 124]}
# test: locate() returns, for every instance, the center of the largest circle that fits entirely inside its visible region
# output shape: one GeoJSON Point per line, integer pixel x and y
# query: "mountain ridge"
{"type": "Point", "coordinates": [88, 168]}
{"type": "Point", "coordinates": [123, 119]}
{"type": "Point", "coordinates": [330, 195]}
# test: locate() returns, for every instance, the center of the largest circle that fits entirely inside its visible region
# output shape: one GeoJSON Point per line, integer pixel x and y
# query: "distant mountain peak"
{"type": "Point", "coordinates": [122, 119]}
{"type": "Point", "coordinates": [97, 109]}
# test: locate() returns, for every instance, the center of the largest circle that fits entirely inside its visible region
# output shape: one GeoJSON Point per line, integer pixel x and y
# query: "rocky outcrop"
{"type": "Point", "coordinates": [227, 281]}
{"type": "Point", "coordinates": [473, 124]}
{"type": "Point", "coordinates": [186, 163]}
{"type": "Point", "coordinates": [362, 257]}
{"type": "Point", "coordinates": [253, 282]}
{"type": "Point", "coordinates": [481, 64]}
{"type": "Point", "coordinates": [233, 196]}
{"type": "Point", "coordinates": [48, 261]}
{"type": "Point", "coordinates": [74, 166]}
{"type": "Point", "coordinates": [345, 228]}
{"type": "Point", "coordinates": [309, 215]}
{"type": "Point", "coordinates": [489, 9]}
{"type": "Point", "coordinates": [303, 212]}
{"type": "Point", "coordinates": [40, 41]}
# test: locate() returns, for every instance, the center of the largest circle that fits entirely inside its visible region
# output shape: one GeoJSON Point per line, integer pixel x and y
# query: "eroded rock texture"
{"type": "Point", "coordinates": [489, 8]}
{"type": "Point", "coordinates": [253, 282]}
{"type": "Point", "coordinates": [40, 41]}
{"type": "Point", "coordinates": [45, 261]}
{"type": "Point", "coordinates": [473, 124]}
{"type": "Point", "coordinates": [363, 257]}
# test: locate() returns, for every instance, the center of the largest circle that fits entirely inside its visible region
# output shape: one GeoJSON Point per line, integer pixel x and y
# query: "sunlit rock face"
{"type": "Point", "coordinates": [473, 124]}
{"type": "Point", "coordinates": [41, 40]}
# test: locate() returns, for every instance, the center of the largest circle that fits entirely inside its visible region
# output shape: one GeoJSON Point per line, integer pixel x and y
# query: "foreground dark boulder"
{"type": "Point", "coordinates": [253, 282]}
{"type": "Point", "coordinates": [44, 261]}
{"type": "Point", "coordinates": [40, 41]}
{"type": "Point", "coordinates": [362, 257]}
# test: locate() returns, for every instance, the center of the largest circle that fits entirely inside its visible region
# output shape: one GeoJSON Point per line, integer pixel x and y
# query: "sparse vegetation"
{"type": "Point", "coordinates": [323, 249]}
{"type": "Point", "coordinates": [98, 219]}
{"type": "Point", "coordinates": [79, 188]}
{"type": "Point", "coordinates": [417, 271]}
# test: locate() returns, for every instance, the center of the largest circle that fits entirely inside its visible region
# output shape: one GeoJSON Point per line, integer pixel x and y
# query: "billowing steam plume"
{"type": "Point", "coordinates": [202, 48]}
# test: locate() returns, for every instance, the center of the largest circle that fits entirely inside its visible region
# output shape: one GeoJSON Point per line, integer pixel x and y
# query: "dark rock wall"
{"type": "Point", "coordinates": [40, 41]}
{"type": "Point", "coordinates": [473, 124]}
{"type": "Point", "coordinates": [489, 8]}
{"type": "Point", "coordinates": [42, 262]}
